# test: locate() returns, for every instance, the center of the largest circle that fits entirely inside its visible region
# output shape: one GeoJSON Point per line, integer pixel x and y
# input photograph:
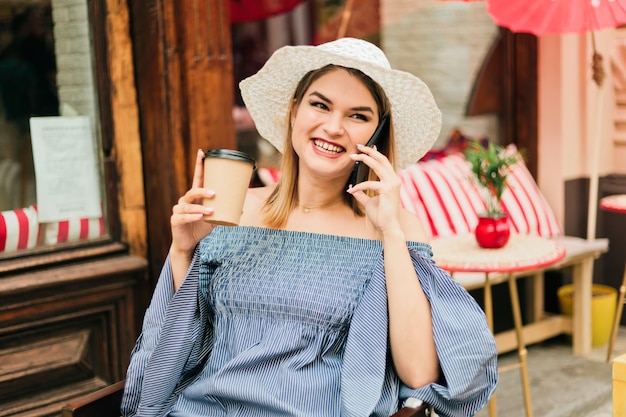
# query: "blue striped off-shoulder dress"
{"type": "Point", "coordinates": [282, 323]}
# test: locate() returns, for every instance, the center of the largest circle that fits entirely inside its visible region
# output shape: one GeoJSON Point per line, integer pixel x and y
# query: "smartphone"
{"type": "Point", "coordinates": [360, 171]}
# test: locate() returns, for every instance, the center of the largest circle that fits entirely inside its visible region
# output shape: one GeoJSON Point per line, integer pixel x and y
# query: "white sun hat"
{"type": "Point", "coordinates": [268, 94]}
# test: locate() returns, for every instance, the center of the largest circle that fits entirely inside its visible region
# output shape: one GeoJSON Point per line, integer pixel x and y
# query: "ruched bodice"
{"type": "Point", "coordinates": [291, 277]}
{"type": "Point", "coordinates": [282, 303]}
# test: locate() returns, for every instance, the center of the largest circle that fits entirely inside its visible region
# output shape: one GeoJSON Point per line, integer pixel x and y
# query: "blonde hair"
{"type": "Point", "coordinates": [284, 199]}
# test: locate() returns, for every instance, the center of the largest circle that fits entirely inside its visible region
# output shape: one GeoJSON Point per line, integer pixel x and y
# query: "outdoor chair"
{"type": "Point", "coordinates": [106, 403]}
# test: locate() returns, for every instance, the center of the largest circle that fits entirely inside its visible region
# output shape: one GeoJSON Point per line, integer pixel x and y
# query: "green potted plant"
{"type": "Point", "coordinates": [491, 165]}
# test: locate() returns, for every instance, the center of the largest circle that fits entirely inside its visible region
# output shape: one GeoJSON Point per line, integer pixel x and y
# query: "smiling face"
{"type": "Point", "coordinates": [337, 112]}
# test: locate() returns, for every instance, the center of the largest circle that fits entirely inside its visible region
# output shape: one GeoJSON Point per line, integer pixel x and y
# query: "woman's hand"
{"type": "Point", "coordinates": [188, 228]}
{"type": "Point", "coordinates": [384, 207]}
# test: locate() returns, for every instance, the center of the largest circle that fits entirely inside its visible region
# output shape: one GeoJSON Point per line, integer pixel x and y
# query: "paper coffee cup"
{"type": "Point", "coordinates": [228, 173]}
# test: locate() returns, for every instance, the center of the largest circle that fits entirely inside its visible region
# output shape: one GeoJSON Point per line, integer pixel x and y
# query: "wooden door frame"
{"type": "Point", "coordinates": [507, 85]}
{"type": "Point", "coordinates": [519, 118]}
{"type": "Point", "coordinates": [183, 60]}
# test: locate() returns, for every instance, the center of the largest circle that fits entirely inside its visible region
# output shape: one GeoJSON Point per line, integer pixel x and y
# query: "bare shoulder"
{"type": "Point", "coordinates": [255, 199]}
{"type": "Point", "coordinates": [412, 226]}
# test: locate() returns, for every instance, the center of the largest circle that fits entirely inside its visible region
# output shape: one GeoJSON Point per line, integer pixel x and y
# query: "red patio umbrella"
{"type": "Point", "coordinates": [545, 17]}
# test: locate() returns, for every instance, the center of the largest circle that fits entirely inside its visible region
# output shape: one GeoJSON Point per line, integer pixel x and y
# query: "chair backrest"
{"type": "Point", "coordinates": [102, 403]}
{"type": "Point", "coordinates": [421, 411]}
{"type": "Point", "coordinates": [106, 403]}
{"type": "Point", "coordinates": [442, 194]}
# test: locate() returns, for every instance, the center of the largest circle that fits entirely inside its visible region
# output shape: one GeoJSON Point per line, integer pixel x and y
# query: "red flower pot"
{"type": "Point", "coordinates": [492, 232]}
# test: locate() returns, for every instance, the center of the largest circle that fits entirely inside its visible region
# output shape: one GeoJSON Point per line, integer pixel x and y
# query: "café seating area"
{"type": "Point", "coordinates": [440, 192]}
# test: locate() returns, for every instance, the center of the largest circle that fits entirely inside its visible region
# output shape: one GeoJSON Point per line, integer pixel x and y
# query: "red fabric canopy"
{"type": "Point", "coordinates": [544, 17]}
{"type": "Point", "coordinates": [247, 10]}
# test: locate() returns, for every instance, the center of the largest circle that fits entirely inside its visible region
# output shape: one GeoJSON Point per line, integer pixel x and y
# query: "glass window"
{"type": "Point", "coordinates": [47, 76]}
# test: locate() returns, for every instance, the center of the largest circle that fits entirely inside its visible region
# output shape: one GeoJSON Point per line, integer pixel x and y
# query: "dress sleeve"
{"type": "Point", "coordinates": [465, 347]}
{"type": "Point", "coordinates": [172, 345]}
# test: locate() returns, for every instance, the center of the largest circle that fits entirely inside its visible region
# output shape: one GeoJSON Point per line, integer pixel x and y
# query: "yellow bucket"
{"type": "Point", "coordinates": [603, 303]}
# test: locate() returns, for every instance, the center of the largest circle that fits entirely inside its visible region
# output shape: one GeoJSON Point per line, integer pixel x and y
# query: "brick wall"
{"type": "Point", "coordinates": [444, 44]}
{"type": "Point", "coordinates": [72, 39]}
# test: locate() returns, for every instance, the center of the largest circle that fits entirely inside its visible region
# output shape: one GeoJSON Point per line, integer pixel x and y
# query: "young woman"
{"type": "Point", "coordinates": [325, 301]}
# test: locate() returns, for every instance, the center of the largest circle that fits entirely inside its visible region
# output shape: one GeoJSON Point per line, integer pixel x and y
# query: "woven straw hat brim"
{"type": "Point", "coordinates": [267, 95]}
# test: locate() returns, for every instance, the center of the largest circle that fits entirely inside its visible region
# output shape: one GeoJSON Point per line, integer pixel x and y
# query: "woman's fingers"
{"type": "Point", "coordinates": [375, 160]}
{"type": "Point", "coordinates": [196, 195]}
{"type": "Point", "coordinates": [198, 171]}
{"type": "Point", "coordinates": [376, 186]}
{"type": "Point", "coordinates": [386, 189]}
{"type": "Point", "coordinates": [180, 219]}
{"type": "Point", "coordinates": [358, 193]}
{"type": "Point", "coordinates": [186, 219]}
{"type": "Point", "coordinates": [190, 207]}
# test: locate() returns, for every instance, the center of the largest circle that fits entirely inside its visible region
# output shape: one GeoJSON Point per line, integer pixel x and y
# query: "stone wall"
{"type": "Point", "coordinates": [444, 44]}
{"type": "Point", "coordinates": [73, 46]}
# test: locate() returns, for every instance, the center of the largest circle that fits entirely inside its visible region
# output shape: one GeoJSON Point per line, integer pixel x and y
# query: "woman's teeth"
{"type": "Point", "coordinates": [320, 144]}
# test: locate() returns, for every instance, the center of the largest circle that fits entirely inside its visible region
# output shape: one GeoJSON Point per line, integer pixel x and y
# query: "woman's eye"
{"type": "Point", "coordinates": [319, 105]}
{"type": "Point", "coordinates": [361, 117]}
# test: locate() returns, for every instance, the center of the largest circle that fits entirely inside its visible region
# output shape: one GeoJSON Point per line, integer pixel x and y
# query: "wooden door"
{"type": "Point", "coordinates": [184, 71]}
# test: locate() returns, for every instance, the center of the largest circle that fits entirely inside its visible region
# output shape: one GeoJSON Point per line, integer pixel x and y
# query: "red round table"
{"type": "Point", "coordinates": [616, 204]}
{"type": "Point", "coordinates": [461, 253]}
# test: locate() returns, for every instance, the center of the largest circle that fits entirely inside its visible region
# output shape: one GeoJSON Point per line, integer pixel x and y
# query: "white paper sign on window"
{"type": "Point", "coordinates": [66, 168]}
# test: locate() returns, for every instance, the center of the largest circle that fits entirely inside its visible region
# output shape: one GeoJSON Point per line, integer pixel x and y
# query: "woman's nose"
{"type": "Point", "coordinates": [334, 126]}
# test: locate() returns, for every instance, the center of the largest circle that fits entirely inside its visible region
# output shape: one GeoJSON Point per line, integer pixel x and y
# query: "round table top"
{"type": "Point", "coordinates": [615, 203]}
{"type": "Point", "coordinates": [461, 253]}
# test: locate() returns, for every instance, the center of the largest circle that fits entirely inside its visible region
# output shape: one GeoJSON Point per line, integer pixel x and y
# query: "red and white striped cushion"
{"type": "Point", "coordinates": [528, 209]}
{"type": "Point", "coordinates": [72, 230]}
{"type": "Point", "coordinates": [19, 229]}
{"type": "Point", "coordinates": [268, 176]}
{"type": "Point", "coordinates": [441, 193]}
